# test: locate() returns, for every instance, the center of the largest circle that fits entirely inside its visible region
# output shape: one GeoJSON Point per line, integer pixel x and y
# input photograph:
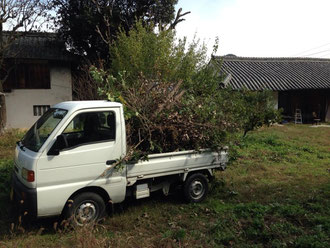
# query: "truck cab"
{"type": "Point", "coordinates": [68, 149]}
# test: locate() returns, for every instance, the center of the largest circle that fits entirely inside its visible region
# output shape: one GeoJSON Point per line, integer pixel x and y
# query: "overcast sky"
{"type": "Point", "coordinates": [260, 28]}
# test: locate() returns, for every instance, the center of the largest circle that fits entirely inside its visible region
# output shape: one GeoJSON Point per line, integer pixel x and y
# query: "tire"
{"type": "Point", "coordinates": [196, 188]}
{"type": "Point", "coordinates": [85, 208]}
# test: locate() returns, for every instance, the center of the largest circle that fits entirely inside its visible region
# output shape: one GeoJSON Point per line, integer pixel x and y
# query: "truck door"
{"type": "Point", "coordinates": [90, 143]}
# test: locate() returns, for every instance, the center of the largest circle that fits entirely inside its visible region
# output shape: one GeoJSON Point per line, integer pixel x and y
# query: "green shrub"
{"type": "Point", "coordinates": [320, 240]}
{"type": "Point", "coordinates": [223, 233]}
{"type": "Point", "coordinates": [178, 234]}
{"type": "Point", "coordinates": [6, 169]}
{"type": "Point", "coordinates": [171, 95]}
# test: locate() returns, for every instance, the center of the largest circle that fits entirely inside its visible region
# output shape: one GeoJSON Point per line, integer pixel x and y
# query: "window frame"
{"type": "Point", "coordinates": [39, 110]}
{"type": "Point", "coordinates": [25, 69]}
{"type": "Point", "coordinates": [92, 142]}
{"type": "Point", "coordinates": [40, 122]}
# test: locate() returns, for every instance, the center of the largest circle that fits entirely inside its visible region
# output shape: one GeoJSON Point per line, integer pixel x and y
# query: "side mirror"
{"type": "Point", "coordinates": [58, 145]}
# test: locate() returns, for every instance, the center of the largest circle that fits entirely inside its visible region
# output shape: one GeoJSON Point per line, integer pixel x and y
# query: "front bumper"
{"type": "Point", "coordinates": [25, 199]}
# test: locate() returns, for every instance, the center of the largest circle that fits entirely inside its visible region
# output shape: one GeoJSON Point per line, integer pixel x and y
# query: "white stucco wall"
{"type": "Point", "coordinates": [275, 97]}
{"type": "Point", "coordinates": [19, 102]}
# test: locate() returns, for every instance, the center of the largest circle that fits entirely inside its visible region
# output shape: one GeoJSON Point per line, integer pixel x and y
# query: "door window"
{"type": "Point", "coordinates": [91, 127]}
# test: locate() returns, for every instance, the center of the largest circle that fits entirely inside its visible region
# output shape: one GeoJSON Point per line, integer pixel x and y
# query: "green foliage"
{"type": "Point", "coordinates": [6, 168]}
{"type": "Point", "coordinates": [268, 225]}
{"type": "Point", "coordinates": [178, 235]}
{"type": "Point", "coordinates": [82, 22]}
{"type": "Point", "coordinates": [258, 109]}
{"type": "Point", "coordinates": [278, 150]}
{"type": "Point", "coordinates": [155, 55]}
{"type": "Point", "coordinates": [171, 94]}
{"type": "Point", "coordinates": [8, 141]}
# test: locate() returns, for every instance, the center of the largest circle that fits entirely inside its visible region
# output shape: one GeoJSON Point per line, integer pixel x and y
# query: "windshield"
{"type": "Point", "coordinates": [39, 132]}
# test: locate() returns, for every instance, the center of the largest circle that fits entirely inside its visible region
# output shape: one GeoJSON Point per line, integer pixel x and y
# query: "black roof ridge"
{"type": "Point", "coordinates": [37, 45]}
{"type": "Point", "coordinates": [33, 33]}
{"type": "Point", "coordinates": [270, 59]}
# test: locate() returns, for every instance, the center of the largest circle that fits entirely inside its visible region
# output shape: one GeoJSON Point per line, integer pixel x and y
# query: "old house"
{"type": "Point", "coordinates": [299, 84]}
{"type": "Point", "coordinates": [39, 76]}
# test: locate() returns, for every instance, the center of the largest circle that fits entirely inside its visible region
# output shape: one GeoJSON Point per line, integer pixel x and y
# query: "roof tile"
{"type": "Point", "coordinates": [38, 45]}
{"type": "Point", "coordinates": [275, 73]}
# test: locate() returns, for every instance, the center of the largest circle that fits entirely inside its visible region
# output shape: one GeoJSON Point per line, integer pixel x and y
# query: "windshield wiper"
{"type": "Point", "coordinates": [20, 144]}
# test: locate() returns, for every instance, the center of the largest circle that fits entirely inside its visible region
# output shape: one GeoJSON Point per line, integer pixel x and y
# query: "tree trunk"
{"type": "Point", "coordinates": [2, 112]}
{"type": "Point", "coordinates": [2, 96]}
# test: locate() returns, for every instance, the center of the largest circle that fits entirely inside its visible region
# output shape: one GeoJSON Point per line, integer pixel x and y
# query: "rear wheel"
{"type": "Point", "coordinates": [85, 208]}
{"type": "Point", "coordinates": [196, 188]}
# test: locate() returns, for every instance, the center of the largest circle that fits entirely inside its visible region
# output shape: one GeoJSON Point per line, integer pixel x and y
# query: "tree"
{"type": "Point", "coordinates": [90, 26]}
{"type": "Point", "coordinates": [171, 95]}
{"type": "Point", "coordinates": [258, 109]}
{"type": "Point", "coordinates": [17, 16]}
{"type": "Point", "coordinates": [82, 21]}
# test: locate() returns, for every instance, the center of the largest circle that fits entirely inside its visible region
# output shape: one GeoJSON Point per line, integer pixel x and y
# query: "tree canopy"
{"type": "Point", "coordinates": [87, 25]}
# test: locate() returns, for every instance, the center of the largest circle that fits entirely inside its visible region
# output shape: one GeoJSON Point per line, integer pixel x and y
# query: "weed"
{"type": "Point", "coordinates": [275, 193]}
{"type": "Point", "coordinates": [6, 168]}
{"type": "Point", "coordinates": [8, 141]}
{"type": "Point", "coordinates": [320, 240]}
{"type": "Point", "coordinates": [178, 235]}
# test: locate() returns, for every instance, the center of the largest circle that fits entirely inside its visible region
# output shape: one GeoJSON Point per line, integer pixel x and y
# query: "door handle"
{"type": "Point", "coordinates": [110, 162]}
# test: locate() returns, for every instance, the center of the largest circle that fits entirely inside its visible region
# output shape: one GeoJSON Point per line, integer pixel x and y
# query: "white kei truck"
{"type": "Point", "coordinates": [64, 164]}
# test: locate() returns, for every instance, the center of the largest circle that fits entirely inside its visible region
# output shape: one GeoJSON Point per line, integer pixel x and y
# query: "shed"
{"type": "Point", "coordinates": [297, 83]}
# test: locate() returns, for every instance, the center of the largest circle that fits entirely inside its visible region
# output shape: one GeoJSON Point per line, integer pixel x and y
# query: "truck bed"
{"type": "Point", "coordinates": [164, 164]}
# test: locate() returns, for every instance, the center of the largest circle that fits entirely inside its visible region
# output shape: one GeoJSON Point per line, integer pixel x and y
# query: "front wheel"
{"type": "Point", "coordinates": [85, 208]}
{"type": "Point", "coordinates": [196, 188]}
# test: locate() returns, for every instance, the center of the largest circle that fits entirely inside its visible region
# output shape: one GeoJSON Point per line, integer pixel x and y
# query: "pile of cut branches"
{"type": "Point", "coordinates": [171, 96]}
{"type": "Point", "coordinates": [159, 115]}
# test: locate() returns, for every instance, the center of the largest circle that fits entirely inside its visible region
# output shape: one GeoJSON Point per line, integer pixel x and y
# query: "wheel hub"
{"type": "Point", "coordinates": [197, 189]}
{"type": "Point", "coordinates": [85, 213]}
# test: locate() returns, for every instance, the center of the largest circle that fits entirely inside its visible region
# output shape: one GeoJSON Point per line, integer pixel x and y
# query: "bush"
{"type": "Point", "coordinates": [6, 169]}
{"type": "Point", "coordinates": [172, 96]}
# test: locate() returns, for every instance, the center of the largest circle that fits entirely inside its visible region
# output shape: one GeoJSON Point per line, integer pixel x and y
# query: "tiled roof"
{"type": "Point", "coordinates": [274, 73]}
{"type": "Point", "coordinates": [37, 45]}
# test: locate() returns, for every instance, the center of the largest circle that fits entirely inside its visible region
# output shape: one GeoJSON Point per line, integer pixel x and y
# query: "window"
{"type": "Point", "coordinates": [28, 74]}
{"type": "Point", "coordinates": [40, 131]}
{"type": "Point", "coordinates": [39, 110]}
{"type": "Point", "coordinates": [91, 127]}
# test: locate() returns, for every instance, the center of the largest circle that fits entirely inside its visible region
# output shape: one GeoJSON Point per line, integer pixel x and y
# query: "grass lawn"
{"type": "Point", "coordinates": [275, 193]}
